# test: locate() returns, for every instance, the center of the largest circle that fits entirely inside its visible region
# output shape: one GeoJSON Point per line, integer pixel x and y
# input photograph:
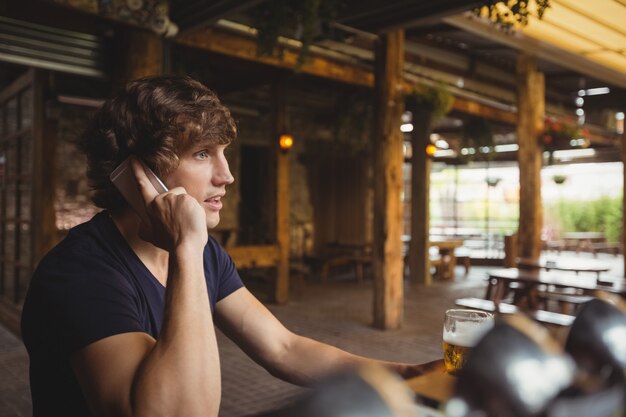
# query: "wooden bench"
{"type": "Point", "coordinates": [566, 302]}
{"type": "Point", "coordinates": [576, 266]}
{"type": "Point", "coordinates": [603, 247]}
{"type": "Point", "coordinates": [611, 281]}
{"type": "Point", "coordinates": [542, 316]}
{"type": "Point", "coordinates": [358, 262]}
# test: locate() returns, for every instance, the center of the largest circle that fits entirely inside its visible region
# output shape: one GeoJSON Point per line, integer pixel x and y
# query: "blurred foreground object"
{"type": "Point", "coordinates": [518, 370]}
{"type": "Point", "coordinates": [597, 339]}
{"type": "Point", "coordinates": [515, 370]}
{"type": "Point", "coordinates": [369, 391]}
{"type": "Point", "coordinates": [597, 342]}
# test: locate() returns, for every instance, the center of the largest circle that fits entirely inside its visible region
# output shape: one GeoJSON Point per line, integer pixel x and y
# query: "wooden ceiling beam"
{"type": "Point", "coordinates": [227, 43]}
{"type": "Point", "coordinates": [193, 14]}
{"type": "Point", "coordinates": [245, 48]}
{"type": "Point", "coordinates": [477, 109]}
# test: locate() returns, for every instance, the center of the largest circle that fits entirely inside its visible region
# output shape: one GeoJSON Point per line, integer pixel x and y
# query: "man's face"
{"type": "Point", "coordinates": [203, 172]}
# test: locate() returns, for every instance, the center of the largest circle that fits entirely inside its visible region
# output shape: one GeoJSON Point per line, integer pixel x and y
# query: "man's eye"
{"type": "Point", "coordinates": [202, 155]}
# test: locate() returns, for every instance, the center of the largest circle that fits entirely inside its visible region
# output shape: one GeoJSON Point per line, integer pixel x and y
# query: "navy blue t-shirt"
{"type": "Point", "coordinates": [91, 286]}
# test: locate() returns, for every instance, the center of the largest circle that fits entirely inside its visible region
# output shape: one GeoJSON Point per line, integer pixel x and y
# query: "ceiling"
{"type": "Point", "coordinates": [593, 29]}
{"type": "Point", "coordinates": [585, 36]}
{"type": "Point", "coordinates": [580, 44]}
{"type": "Point", "coordinates": [368, 15]}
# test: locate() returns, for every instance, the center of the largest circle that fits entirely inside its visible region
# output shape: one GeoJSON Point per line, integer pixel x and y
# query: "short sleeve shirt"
{"type": "Point", "coordinates": [89, 287]}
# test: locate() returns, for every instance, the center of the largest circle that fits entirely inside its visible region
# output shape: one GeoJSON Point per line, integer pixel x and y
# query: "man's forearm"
{"type": "Point", "coordinates": [181, 375]}
{"type": "Point", "coordinates": [309, 361]}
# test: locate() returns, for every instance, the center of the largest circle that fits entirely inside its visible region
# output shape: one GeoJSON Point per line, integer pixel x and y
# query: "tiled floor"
{"type": "Point", "coordinates": [14, 390]}
{"type": "Point", "coordinates": [339, 313]}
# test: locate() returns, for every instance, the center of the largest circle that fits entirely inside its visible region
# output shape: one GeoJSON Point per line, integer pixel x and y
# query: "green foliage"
{"type": "Point", "coordinates": [296, 19]}
{"type": "Point", "coordinates": [477, 132]}
{"type": "Point", "coordinates": [511, 14]}
{"type": "Point", "coordinates": [436, 99]}
{"type": "Point", "coordinates": [352, 115]}
{"type": "Point", "coordinates": [602, 215]}
{"type": "Point", "coordinates": [270, 19]}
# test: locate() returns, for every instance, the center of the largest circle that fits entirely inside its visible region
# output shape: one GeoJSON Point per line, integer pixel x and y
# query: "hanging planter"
{"type": "Point", "coordinates": [493, 181]}
{"type": "Point", "coordinates": [477, 139]}
{"type": "Point", "coordinates": [432, 98]}
{"type": "Point", "coordinates": [301, 20]}
{"type": "Point", "coordinates": [562, 134]}
{"type": "Point", "coordinates": [559, 179]}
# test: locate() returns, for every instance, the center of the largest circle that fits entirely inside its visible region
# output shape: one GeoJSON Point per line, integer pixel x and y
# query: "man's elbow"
{"type": "Point", "coordinates": [170, 402]}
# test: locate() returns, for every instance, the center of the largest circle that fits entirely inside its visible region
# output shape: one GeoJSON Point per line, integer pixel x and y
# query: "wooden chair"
{"type": "Point", "coordinates": [463, 257]}
{"type": "Point", "coordinates": [357, 256]}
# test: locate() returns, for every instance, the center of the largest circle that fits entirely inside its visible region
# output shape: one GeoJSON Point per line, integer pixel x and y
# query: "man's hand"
{"type": "Point", "coordinates": [176, 218]}
{"type": "Point", "coordinates": [411, 371]}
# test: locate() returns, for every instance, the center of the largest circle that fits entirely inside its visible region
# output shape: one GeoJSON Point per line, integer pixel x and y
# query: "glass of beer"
{"type": "Point", "coordinates": [462, 329]}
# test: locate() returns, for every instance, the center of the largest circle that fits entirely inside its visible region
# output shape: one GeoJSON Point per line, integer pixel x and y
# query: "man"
{"type": "Point", "coordinates": [119, 317]}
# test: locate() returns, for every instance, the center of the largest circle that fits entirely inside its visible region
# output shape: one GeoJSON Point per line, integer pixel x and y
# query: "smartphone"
{"type": "Point", "coordinates": [124, 180]}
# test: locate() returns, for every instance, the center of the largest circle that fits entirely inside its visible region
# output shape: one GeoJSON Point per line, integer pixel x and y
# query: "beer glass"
{"type": "Point", "coordinates": [462, 329]}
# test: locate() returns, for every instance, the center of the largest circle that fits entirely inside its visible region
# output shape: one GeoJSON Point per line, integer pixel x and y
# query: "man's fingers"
{"type": "Point", "coordinates": [147, 190]}
{"type": "Point", "coordinates": [177, 190]}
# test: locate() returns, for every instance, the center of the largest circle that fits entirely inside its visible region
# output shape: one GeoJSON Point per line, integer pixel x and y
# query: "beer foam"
{"type": "Point", "coordinates": [467, 334]}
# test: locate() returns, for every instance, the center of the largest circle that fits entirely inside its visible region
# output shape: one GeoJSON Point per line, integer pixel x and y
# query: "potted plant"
{"type": "Point", "coordinates": [435, 99]}
{"type": "Point", "coordinates": [478, 134]}
{"type": "Point", "coordinates": [562, 134]}
{"type": "Point", "coordinates": [301, 20]}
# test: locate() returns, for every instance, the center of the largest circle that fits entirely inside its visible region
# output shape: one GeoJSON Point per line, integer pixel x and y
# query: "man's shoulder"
{"type": "Point", "coordinates": [216, 253]}
{"type": "Point", "coordinates": [95, 233]}
{"type": "Point", "coordinates": [86, 248]}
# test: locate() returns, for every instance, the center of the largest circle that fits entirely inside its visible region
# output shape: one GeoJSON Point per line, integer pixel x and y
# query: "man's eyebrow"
{"type": "Point", "coordinates": [205, 145]}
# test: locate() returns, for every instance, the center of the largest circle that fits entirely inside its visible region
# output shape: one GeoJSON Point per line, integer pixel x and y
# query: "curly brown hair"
{"type": "Point", "coordinates": [156, 119]}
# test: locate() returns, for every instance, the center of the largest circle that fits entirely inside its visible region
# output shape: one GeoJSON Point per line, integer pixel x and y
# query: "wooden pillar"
{"type": "Point", "coordinates": [388, 263]}
{"type": "Point", "coordinates": [281, 125]}
{"type": "Point", "coordinates": [44, 179]}
{"type": "Point", "coordinates": [624, 197]}
{"type": "Point", "coordinates": [419, 259]}
{"type": "Point", "coordinates": [530, 113]}
{"type": "Point", "coordinates": [143, 56]}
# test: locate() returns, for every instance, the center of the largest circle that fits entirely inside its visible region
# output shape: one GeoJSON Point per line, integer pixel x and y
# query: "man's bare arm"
{"type": "Point", "coordinates": [134, 375]}
{"type": "Point", "coordinates": [297, 359]}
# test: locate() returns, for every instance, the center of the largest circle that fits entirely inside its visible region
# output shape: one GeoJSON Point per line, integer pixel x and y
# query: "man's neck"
{"type": "Point", "coordinates": [153, 257]}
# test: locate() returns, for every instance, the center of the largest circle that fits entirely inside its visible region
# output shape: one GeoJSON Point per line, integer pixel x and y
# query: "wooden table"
{"type": "Point", "coordinates": [500, 280]}
{"type": "Point", "coordinates": [433, 388]}
{"type": "Point", "coordinates": [446, 251]}
{"type": "Point", "coordinates": [575, 266]}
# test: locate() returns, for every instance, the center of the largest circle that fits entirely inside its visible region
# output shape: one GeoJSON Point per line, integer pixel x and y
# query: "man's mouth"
{"type": "Point", "coordinates": [214, 203]}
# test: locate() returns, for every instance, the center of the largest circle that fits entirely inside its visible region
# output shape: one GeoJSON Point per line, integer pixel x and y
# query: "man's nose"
{"type": "Point", "coordinates": [222, 174]}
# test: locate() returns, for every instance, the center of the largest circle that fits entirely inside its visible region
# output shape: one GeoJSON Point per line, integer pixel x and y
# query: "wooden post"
{"type": "Point", "coordinates": [419, 258]}
{"type": "Point", "coordinates": [530, 110]}
{"type": "Point", "coordinates": [281, 125]}
{"type": "Point", "coordinates": [388, 263]}
{"type": "Point", "coordinates": [44, 144]}
{"type": "Point", "coordinates": [144, 55]}
{"type": "Point", "coordinates": [624, 199]}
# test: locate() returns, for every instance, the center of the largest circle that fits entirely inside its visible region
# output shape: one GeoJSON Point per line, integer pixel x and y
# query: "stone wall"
{"type": "Point", "coordinates": [72, 203]}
